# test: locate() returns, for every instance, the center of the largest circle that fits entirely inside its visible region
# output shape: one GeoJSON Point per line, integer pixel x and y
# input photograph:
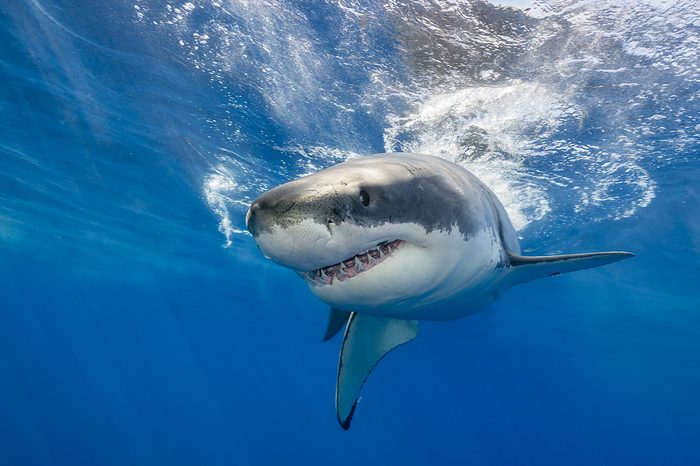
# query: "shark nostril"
{"type": "Point", "coordinates": [334, 218]}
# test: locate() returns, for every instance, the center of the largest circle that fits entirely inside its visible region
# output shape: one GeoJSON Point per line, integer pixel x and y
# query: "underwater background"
{"type": "Point", "coordinates": [139, 324]}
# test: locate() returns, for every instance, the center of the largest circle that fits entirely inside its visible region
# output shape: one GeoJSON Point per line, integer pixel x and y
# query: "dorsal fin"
{"type": "Point", "coordinates": [526, 268]}
{"type": "Point", "coordinates": [336, 321]}
{"type": "Point", "coordinates": [366, 341]}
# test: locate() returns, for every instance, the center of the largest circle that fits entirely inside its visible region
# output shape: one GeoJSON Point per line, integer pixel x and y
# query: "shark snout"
{"type": "Point", "coordinates": [251, 218]}
{"type": "Point", "coordinates": [301, 225]}
{"type": "Point", "coordinates": [269, 211]}
{"type": "Point", "coordinates": [291, 204]}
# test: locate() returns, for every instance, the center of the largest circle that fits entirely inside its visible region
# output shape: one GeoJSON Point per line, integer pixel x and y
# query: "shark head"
{"type": "Point", "coordinates": [368, 233]}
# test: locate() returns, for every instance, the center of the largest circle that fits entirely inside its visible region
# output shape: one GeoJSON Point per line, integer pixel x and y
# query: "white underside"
{"type": "Point", "coordinates": [444, 277]}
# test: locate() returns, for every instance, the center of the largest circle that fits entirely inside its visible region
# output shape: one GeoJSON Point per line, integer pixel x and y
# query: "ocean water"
{"type": "Point", "coordinates": [140, 325]}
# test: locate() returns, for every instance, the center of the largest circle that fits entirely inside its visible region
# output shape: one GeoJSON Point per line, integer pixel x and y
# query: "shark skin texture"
{"type": "Point", "coordinates": [391, 239]}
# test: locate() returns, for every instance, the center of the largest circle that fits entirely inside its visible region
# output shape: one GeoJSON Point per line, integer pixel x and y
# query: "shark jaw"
{"type": "Point", "coordinates": [353, 266]}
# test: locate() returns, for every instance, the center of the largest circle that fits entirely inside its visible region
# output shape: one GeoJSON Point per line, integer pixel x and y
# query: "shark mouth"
{"type": "Point", "coordinates": [353, 266]}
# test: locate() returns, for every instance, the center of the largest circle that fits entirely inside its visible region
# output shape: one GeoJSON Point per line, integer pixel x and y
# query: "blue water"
{"type": "Point", "coordinates": [140, 325]}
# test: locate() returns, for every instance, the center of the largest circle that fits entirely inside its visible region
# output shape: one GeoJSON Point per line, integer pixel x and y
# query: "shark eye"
{"type": "Point", "coordinates": [364, 197]}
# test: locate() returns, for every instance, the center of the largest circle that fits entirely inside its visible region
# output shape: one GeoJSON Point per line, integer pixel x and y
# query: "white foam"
{"type": "Point", "coordinates": [223, 193]}
{"type": "Point", "coordinates": [485, 130]}
{"type": "Point", "coordinates": [533, 8]}
{"type": "Point", "coordinates": [545, 137]}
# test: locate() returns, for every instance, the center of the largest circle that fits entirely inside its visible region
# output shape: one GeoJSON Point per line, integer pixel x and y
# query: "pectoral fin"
{"type": "Point", "coordinates": [367, 340]}
{"type": "Point", "coordinates": [526, 268]}
{"type": "Point", "coordinates": [336, 321]}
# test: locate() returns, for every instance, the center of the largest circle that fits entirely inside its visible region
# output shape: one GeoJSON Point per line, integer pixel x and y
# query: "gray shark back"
{"type": "Point", "coordinates": [409, 188]}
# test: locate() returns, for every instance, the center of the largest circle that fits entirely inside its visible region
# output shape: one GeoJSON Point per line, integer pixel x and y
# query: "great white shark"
{"type": "Point", "coordinates": [392, 239]}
